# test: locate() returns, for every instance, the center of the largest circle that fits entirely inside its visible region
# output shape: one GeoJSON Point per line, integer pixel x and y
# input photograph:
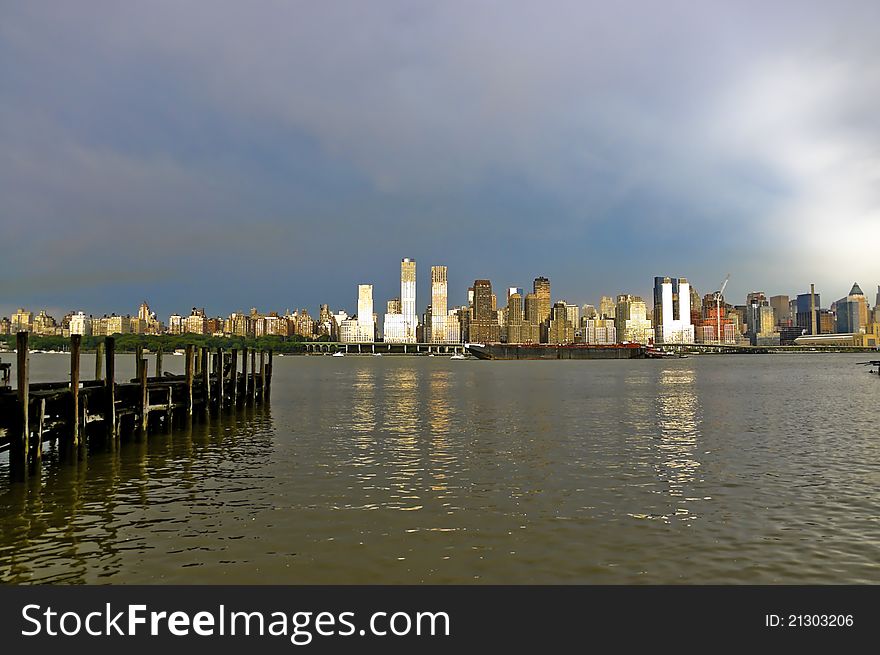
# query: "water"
{"type": "Point", "coordinates": [713, 469]}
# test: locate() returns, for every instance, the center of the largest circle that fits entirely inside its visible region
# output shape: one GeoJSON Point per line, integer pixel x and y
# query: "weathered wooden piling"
{"type": "Point", "coordinates": [253, 393]}
{"type": "Point", "coordinates": [110, 390]}
{"type": "Point", "coordinates": [269, 376]}
{"type": "Point", "coordinates": [75, 343]}
{"type": "Point", "coordinates": [206, 378]}
{"type": "Point", "coordinates": [262, 374]}
{"type": "Point", "coordinates": [233, 377]}
{"type": "Point", "coordinates": [220, 372]}
{"type": "Point", "coordinates": [244, 375]}
{"type": "Point", "coordinates": [159, 362]}
{"type": "Point", "coordinates": [99, 361]}
{"type": "Point", "coordinates": [138, 360]}
{"type": "Point", "coordinates": [144, 413]}
{"type": "Point", "coordinates": [18, 451]}
{"type": "Point", "coordinates": [189, 379]}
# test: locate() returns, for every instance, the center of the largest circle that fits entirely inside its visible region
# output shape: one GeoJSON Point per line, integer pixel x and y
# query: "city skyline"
{"type": "Point", "coordinates": [696, 138]}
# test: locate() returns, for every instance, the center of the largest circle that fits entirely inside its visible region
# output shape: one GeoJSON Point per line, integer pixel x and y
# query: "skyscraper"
{"type": "Point", "coordinates": [366, 327]}
{"type": "Point", "coordinates": [560, 329]}
{"type": "Point", "coordinates": [807, 315]}
{"type": "Point", "coordinates": [400, 325]}
{"type": "Point", "coordinates": [782, 309]}
{"type": "Point", "coordinates": [631, 320]}
{"type": "Point", "coordinates": [672, 298]}
{"type": "Point", "coordinates": [531, 331]}
{"type": "Point", "coordinates": [852, 312]}
{"type": "Point", "coordinates": [606, 307]}
{"type": "Point", "coordinates": [441, 321]}
{"type": "Point", "coordinates": [484, 326]}
{"type": "Point", "coordinates": [408, 296]}
{"type": "Point", "coordinates": [515, 321]}
{"type": "Point", "coordinates": [541, 287]}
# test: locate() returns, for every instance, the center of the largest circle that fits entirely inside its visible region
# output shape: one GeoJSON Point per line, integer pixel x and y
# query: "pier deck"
{"type": "Point", "coordinates": [76, 413]}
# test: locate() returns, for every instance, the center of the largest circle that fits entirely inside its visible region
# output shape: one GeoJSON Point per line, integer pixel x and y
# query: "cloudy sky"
{"type": "Point", "coordinates": [276, 154]}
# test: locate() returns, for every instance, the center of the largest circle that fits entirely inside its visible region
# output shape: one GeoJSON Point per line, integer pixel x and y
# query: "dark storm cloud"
{"type": "Point", "coordinates": [277, 153]}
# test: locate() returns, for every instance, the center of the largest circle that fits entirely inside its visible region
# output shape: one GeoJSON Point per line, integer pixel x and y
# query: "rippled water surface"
{"type": "Point", "coordinates": [724, 469]}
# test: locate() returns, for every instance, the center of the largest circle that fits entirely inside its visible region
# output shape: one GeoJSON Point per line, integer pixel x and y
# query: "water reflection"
{"type": "Point", "coordinates": [99, 517]}
{"type": "Point", "coordinates": [678, 422]}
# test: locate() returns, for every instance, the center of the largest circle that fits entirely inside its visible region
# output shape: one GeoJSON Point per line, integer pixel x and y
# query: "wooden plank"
{"type": "Point", "coordinates": [19, 447]}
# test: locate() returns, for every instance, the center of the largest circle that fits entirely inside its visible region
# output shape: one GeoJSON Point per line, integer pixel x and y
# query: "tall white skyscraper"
{"type": "Point", "coordinates": [408, 297]}
{"type": "Point", "coordinates": [673, 294]}
{"type": "Point", "coordinates": [401, 328]}
{"type": "Point", "coordinates": [366, 326]}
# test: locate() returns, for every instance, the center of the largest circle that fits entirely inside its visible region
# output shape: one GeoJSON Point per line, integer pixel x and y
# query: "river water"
{"type": "Point", "coordinates": [710, 469]}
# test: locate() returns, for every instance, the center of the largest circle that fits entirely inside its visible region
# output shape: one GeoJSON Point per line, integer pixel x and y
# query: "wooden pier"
{"type": "Point", "coordinates": [78, 414]}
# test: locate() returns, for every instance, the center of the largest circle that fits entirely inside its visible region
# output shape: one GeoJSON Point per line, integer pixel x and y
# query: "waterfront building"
{"type": "Point", "coordinates": [45, 325]}
{"type": "Point", "coordinates": [598, 331]}
{"type": "Point", "coordinates": [349, 331]}
{"type": "Point", "coordinates": [781, 309]}
{"type": "Point", "coordinates": [541, 289]}
{"type": "Point", "coordinates": [114, 324]}
{"type": "Point", "coordinates": [408, 297]}
{"type": "Point", "coordinates": [22, 321]}
{"type": "Point", "coordinates": [719, 325]}
{"type": "Point", "coordinates": [444, 327]}
{"type": "Point", "coordinates": [401, 321]}
{"type": "Point", "coordinates": [807, 316]}
{"type": "Point", "coordinates": [560, 329]}
{"type": "Point", "coordinates": [81, 324]}
{"type": "Point", "coordinates": [175, 324]}
{"type": "Point", "coordinates": [588, 311]}
{"type": "Point", "coordinates": [607, 308]}
{"type": "Point", "coordinates": [672, 311]}
{"type": "Point", "coordinates": [631, 320]}
{"type": "Point", "coordinates": [696, 308]}
{"type": "Point", "coordinates": [366, 331]}
{"type": "Point", "coordinates": [852, 312]}
{"type": "Point", "coordinates": [531, 319]}
{"type": "Point", "coordinates": [573, 313]}
{"type": "Point", "coordinates": [516, 320]}
{"type": "Point", "coordinates": [195, 322]}
{"type": "Point", "coordinates": [877, 300]}
{"type": "Point", "coordinates": [754, 300]}
{"type": "Point", "coordinates": [327, 325]}
{"type": "Point", "coordinates": [484, 327]}
{"type": "Point", "coordinates": [5, 325]}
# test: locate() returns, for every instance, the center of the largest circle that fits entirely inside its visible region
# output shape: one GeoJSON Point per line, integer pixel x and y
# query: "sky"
{"type": "Point", "coordinates": [265, 154]}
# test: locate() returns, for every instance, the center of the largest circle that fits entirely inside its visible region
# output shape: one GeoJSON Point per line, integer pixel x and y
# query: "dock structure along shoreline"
{"type": "Point", "coordinates": [78, 414]}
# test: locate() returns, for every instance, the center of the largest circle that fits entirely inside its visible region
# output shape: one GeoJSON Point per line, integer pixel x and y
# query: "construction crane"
{"type": "Point", "coordinates": [718, 295]}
